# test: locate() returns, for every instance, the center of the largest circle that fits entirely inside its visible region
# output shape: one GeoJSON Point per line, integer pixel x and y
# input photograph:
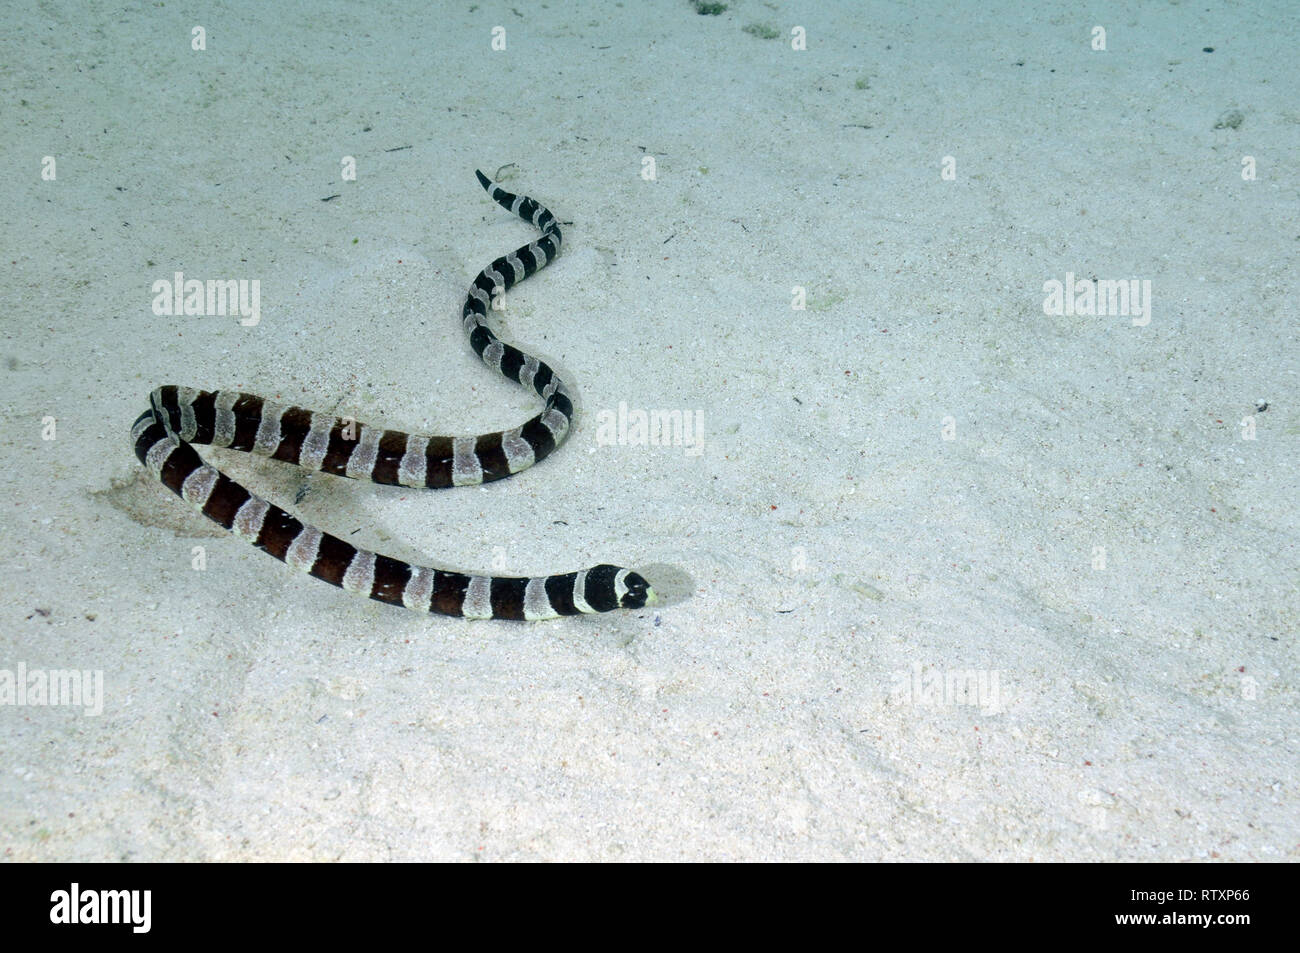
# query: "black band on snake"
{"type": "Point", "coordinates": [180, 417]}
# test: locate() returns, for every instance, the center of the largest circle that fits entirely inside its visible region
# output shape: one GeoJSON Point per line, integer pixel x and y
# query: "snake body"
{"type": "Point", "coordinates": [179, 417]}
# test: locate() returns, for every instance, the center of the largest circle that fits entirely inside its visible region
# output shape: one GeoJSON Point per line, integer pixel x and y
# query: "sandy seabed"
{"type": "Point", "coordinates": [944, 576]}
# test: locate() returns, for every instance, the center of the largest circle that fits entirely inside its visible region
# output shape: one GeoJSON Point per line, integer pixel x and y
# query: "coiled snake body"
{"type": "Point", "coordinates": [181, 416]}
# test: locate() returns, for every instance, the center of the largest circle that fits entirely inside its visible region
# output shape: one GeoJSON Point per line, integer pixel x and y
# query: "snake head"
{"type": "Point", "coordinates": [636, 592]}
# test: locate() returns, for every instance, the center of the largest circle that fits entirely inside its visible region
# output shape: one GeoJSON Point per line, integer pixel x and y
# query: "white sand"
{"type": "Point", "coordinates": [1097, 544]}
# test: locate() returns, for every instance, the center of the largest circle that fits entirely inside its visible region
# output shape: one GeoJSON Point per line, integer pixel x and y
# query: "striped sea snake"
{"type": "Point", "coordinates": [181, 416]}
